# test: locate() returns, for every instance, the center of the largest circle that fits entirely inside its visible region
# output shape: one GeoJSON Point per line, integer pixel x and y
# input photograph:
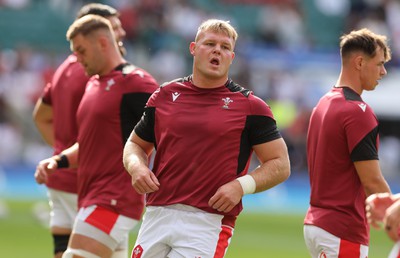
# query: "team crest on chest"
{"type": "Point", "coordinates": [226, 101]}
{"type": "Point", "coordinates": [110, 83]}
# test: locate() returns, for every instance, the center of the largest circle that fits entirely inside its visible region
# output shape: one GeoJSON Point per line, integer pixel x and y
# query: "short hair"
{"type": "Point", "coordinates": [88, 24]}
{"type": "Point", "coordinates": [365, 41]}
{"type": "Point", "coordinates": [98, 9]}
{"type": "Point", "coordinates": [218, 26]}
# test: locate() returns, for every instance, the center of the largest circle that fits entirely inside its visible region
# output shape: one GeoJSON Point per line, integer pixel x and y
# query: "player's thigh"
{"type": "Point", "coordinates": [181, 231]}
{"type": "Point", "coordinates": [203, 235]}
{"type": "Point", "coordinates": [153, 236]}
{"type": "Point", "coordinates": [104, 226]}
{"type": "Point", "coordinates": [63, 207]}
{"type": "Point", "coordinates": [90, 245]}
{"type": "Point", "coordinates": [321, 243]}
{"type": "Point", "coordinates": [211, 247]}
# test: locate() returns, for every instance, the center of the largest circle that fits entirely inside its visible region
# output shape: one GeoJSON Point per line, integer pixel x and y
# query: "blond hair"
{"type": "Point", "coordinates": [218, 26]}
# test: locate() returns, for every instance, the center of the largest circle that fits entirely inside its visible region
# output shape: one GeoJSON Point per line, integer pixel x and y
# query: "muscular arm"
{"type": "Point", "coordinates": [371, 177]}
{"type": "Point", "coordinates": [135, 158]}
{"type": "Point", "coordinates": [275, 165]}
{"type": "Point", "coordinates": [274, 169]}
{"type": "Point", "coordinates": [43, 118]}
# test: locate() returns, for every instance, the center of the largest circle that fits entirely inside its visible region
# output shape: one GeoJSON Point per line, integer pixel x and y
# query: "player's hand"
{"type": "Point", "coordinates": [226, 197]}
{"type": "Point", "coordinates": [144, 181]}
{"type": "Point", "coordinates": [392, 221]}
{"type": "Point", "coordinates": [45, 168]}
{"type": "Point", "coordinates": [376, 205]}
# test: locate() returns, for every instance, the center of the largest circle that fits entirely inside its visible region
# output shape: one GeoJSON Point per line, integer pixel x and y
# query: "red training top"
{"type": "Point", "coordinates": [343, 129]}
{"type": "Point", "coordinates": [203, 138]}
{"type": "Point", "coordinates": [64, 94]}
{"type": "Point", "coordinates": [110, 108]}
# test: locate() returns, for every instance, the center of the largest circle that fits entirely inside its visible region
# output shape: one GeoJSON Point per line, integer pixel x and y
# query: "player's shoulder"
{"type": "Point", "coordinates": [177, 81]}
{"type": "Point", "coordinates": [236, 87]}
{"type": "Point", "coordinates": [255, 104]}
{"type": "Point", "coordinates": [128, 69]}
{"type": "Point", "coordinates": [175, 85]}
{"type": "Point", "coordinates": [350, 95]}
{"type": "Point", "coordinates": [345, 102]}
{"type": "Point", "coordinates": [71, 64]}
{"type": "Point", "coordinates": [136, 76]}
{"type": "Point", "coordinates": [70, 71]}
{"type": "Point", "coordinates": [243, 92]}
{"type": "Point", "coordinates": [354, 103]}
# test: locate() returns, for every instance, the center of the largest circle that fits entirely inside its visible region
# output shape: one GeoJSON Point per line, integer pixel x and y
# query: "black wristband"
{"type": "Point", "coordinates": [62, 161]}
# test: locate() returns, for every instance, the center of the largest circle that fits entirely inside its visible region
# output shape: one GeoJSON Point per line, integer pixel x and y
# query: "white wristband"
{"type": "Point", "coordinates": [248, 184]}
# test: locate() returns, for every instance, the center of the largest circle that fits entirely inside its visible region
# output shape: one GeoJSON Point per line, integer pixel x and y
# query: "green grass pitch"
{"type": "Point", "coordinates": [257, 235]}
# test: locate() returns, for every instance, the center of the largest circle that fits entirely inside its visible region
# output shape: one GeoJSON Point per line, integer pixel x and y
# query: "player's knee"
{"type": "Point", "coordinates": [60, 243]}
{"type": "Point", "coordinates": [70, 253]}
{"type": "Point", "coordinates": [120, 254]}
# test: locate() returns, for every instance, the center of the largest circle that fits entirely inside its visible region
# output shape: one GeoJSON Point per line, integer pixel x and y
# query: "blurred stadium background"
{"type": "Point", "coordinates": [287, 53]}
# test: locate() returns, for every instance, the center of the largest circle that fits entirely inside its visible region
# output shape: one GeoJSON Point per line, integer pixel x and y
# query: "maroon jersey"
{"type": "Point", "coordinates": [64, 94]}
{"type": "Point", "coordinates": [110, 108]}
{"type": "Point", "coordinates": [343, 129]}
{"type": "Point", "coordinates": [203, 138]}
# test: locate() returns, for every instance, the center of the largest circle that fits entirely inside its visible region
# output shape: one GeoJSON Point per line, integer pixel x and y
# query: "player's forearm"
{"type": "Point", "coordinates": [71, 154]}
{"type": "Point", "coordinates": [134, 156]}
{"type": "Point", "coordinates": [271, 173]}
{"type": "Point", "coordinates": [379, 185]}
{"type": "Point", "coordinates": [46, 131]}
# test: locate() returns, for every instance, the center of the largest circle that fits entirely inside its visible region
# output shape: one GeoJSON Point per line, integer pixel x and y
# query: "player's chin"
{"type": "Point", "coordinates": [371, 87]}
{"type": "Point", "coordinates": [90, 72]}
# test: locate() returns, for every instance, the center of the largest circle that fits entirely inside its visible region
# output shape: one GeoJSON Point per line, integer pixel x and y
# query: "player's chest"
{"type": "Point", "coordinates": [102, 99]}
{"type": "Point", "coordinates": [203, 112]}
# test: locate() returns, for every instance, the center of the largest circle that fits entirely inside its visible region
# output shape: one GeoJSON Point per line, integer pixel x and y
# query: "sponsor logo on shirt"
{"type": "Point", "coordinates": [175, 95]}
{"type": "Point", "coordinates": [226, 101]}
{"type": "Point", "coordinates": [363, 106]}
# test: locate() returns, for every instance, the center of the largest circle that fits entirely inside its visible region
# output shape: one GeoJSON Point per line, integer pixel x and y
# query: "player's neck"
{"type": "Point", "coordinates": [350, 82]}
{"type": "Point", "coordinates": [111, 65]}
{"type": "Point", "coordinates": [208, 82]}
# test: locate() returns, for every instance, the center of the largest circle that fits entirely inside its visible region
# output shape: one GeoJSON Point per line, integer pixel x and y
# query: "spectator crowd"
{"type": "Point", "coordinates": [286, 55]}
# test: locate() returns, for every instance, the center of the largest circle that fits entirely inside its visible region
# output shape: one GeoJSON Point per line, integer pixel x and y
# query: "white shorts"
{"type": "Point", "coordinates": [395, 252]}
{"type": "Point", "coordinates": [322, 244]}
{"type": "Point", "coordinates": [106, 226]}
{"type": "Point", "coordinates": [64, 207]}
{"type": "Point", "coordinates": [181, 231]}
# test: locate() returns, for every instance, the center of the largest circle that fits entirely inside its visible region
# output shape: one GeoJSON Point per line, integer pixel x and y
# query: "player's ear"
{"type": "Point", "coordinates": [358, 61]}
{"type": "Point", "coordinates": [103, 41]}
{"type": "Point", "coordinates": [192, 47]}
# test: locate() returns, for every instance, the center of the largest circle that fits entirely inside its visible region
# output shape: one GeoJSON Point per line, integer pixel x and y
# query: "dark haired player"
{"type": "Point", "coordinates": [342, 149]}
{"type": "Point", "coordinates": [55, 118]}
{"type": "Point", "coordinates": [112, 104]}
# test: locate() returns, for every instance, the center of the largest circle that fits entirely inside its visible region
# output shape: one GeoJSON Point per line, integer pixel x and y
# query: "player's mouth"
{"type": "Point", "coordinates": [215, 61]}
